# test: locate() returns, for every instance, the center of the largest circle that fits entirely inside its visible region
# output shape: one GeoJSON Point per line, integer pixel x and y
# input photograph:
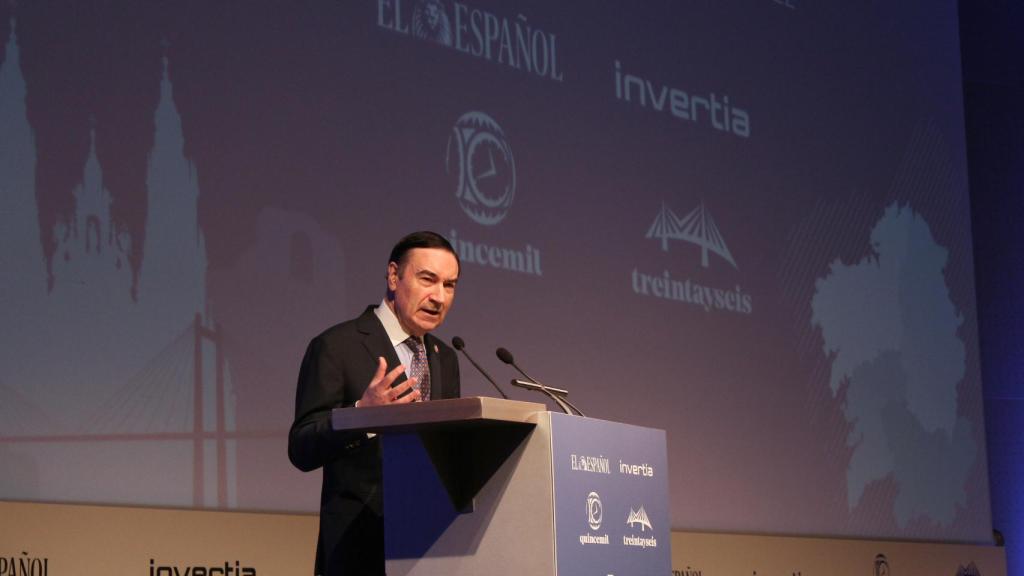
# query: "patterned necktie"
{"type": "Point", "coordinates": [419, 369]}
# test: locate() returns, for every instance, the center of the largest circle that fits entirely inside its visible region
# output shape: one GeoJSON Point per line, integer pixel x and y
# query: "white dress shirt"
{"type": "Point", "coordinates": [396, 333]}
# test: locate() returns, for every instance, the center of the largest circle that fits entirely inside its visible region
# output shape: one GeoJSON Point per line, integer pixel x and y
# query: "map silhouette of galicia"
{"type": "Point", "coordinates": [890, 331]}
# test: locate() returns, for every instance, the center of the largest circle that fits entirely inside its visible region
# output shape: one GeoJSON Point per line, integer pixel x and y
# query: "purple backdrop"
{"type": "Point", "coordinates": [745, 223]}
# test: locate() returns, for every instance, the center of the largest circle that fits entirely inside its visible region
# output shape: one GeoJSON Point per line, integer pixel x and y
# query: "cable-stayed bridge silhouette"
{"type": "Point", "coordinates": [697, 227]}
{"type": "Point", "coordinates": [182, 394]}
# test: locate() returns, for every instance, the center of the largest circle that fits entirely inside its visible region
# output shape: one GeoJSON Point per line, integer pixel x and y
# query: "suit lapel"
{"type": "Point", "coordinates": [376, 341]}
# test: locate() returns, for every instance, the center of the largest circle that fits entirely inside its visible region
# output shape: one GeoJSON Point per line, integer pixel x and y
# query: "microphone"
{"type": "Point", "coordinates": [539, 387]}
{"type": "Point", "coordinates": [506, 357]}
{"type": "Point", "coordinates": [556, 394]}
{"type": "Point", "coordinates": [460, 345]}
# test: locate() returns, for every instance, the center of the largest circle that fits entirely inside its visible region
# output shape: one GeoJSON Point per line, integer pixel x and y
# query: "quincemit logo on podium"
{"type": "Point", "coordinates": [595, 511]}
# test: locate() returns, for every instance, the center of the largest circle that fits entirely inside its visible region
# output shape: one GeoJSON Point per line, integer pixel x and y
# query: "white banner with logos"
{"type": "Point", "coordinates": [55, 539]}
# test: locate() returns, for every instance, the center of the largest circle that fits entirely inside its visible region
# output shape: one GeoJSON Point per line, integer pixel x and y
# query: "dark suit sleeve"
{"type": "Point", "coordinates": [321, 387]}
{"type": "Point", "coordinates": [335, 371]}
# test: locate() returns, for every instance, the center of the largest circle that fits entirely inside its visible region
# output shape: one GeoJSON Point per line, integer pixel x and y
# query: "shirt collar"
{"type": "Point", "coordinates": [396, 333]}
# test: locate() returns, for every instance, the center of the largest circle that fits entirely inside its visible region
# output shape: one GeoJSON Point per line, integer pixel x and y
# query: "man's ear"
{"type": "Point", "coordinates": [392, 276]}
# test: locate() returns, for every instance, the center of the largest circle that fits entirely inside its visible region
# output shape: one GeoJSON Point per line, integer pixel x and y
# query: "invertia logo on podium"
{"type": "Point", "coordinates": [644, 469]}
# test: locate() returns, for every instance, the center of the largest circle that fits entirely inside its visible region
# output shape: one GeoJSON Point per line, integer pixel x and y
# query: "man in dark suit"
{"type": "Point", "coordinates": [384, 356]}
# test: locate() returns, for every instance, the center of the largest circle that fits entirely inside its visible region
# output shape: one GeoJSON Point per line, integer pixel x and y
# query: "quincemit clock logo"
{"type": "Point", "coordinates": [480, 157]}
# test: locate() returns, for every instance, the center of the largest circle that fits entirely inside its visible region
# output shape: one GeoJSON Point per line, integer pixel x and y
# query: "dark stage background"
{"type": "Point", "coordinates": [746, 223]}
{"type": "Point", "coordinates": [993, 90]}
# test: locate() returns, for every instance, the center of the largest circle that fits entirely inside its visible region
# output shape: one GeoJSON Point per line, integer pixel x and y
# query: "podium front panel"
{"type": "Point", "coordinates": [508, 530]}
{"type": "Point", "coordinates": [533, 493]}
{"type": "Point", "coordinates": [611, 498]}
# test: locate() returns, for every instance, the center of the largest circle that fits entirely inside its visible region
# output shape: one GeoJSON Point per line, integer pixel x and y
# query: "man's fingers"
{"type": "Point", "coordinates": [394, 374]}
{"type": "Point", "coordinates": [382, 365]}
{"type": "Point", "coordinates": [395, 391]}
{"type": "Point", "coordinates": [413, 396]}
{"type": "Point", "coordinates": [385, 380]}
{"type": "Point", "coordinates": [380, 390]}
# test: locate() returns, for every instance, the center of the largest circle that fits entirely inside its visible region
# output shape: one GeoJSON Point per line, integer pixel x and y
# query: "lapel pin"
{"type": "Point", "coordinates": [435, 349]}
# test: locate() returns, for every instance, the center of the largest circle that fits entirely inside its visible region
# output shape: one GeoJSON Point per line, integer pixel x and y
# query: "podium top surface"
{"type": "Point", "coordinates": [399, 417]}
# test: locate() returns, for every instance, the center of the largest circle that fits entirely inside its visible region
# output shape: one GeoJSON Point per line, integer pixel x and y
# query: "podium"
{"type": "Point", "coordinates": [489, 486]}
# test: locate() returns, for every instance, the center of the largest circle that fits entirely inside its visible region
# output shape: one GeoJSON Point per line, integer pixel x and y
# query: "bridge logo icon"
{"type": "Point", "coordinates": [697, 227]}
{"type": "Point", "coordinates": [639, 518]}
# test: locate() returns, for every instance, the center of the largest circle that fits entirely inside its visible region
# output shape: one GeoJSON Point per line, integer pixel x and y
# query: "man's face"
{"type": "Point", "coordinates": [424, 288]}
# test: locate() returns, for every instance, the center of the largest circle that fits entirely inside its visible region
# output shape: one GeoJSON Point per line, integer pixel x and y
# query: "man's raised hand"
{"type": "Point", "coordinates": [380, 392]}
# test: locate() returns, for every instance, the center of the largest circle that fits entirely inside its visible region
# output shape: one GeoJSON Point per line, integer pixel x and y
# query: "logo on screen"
{"type": "Point", "coordinates": [479, 156]}
{"type": "Point", "coordinates": [430, 22]}
{"type": "Point", "coordinates": [515, 42]}
{"type": "Point", "coordinates": [697, 227]}
{"type": "Point", "coordinates": [638, 518]}
{"type": "Point", "coordinates": [594, 511]}
{"type": "Point", "coordinates": [707, 109]}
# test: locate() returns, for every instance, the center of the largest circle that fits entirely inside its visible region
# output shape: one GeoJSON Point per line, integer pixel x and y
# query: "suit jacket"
{"type": "Point", "coordinates": [337, 367]}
